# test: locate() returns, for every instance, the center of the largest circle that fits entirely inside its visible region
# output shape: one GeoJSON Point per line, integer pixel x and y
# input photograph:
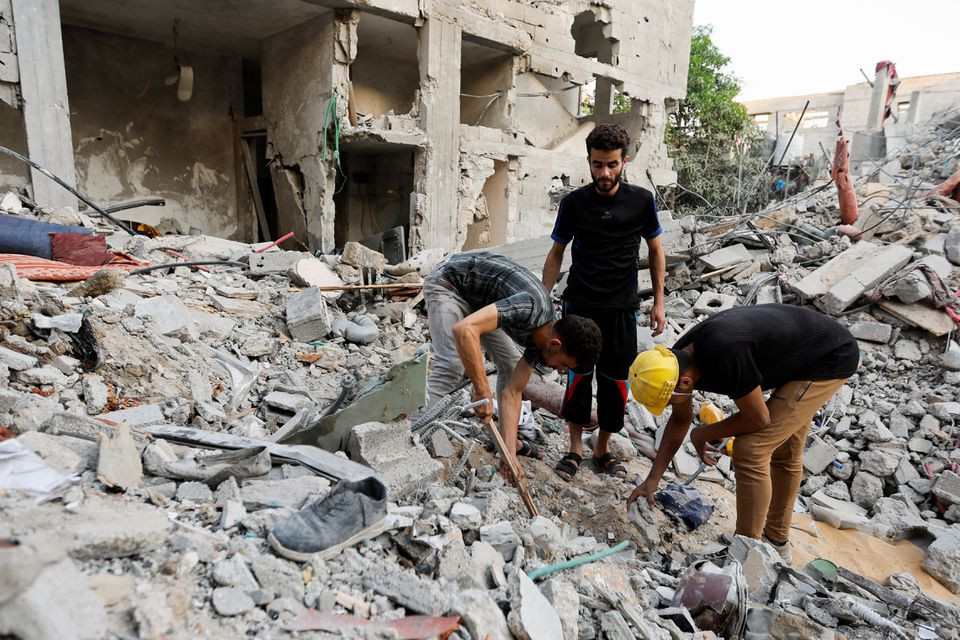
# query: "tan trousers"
{"type": "Point", "coordinates": [769, 463]}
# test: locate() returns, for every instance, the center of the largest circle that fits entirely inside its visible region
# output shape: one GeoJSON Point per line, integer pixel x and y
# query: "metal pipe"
{"type": "Point", "coordinates": [80, 196]}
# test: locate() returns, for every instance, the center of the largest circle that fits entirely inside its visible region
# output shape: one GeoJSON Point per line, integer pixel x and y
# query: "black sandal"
{"type": "Point", "coordinates": [568, 466]}
{"type": "Point", "coordinates": [609, 465]}
{"type": "Point", "coordinates": [529, 450]}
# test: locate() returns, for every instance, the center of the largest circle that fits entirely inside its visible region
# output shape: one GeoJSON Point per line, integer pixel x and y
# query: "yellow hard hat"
{"type": "Point", "coordinates": [653, 376]}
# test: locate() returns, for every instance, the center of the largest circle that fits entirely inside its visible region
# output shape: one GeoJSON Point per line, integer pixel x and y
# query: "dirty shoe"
{"type": "Point", "coordinates": [785, 549]}
{"type": "Point", "coordinates": [353, 511]}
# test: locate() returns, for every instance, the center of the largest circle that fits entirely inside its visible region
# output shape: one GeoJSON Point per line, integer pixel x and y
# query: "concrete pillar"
{"type": "Point", "coordinates": [438, 167]}
{"type": "Point", "coordinates": [881, 84]}
{"type": "Point", "coordinates": [603, 98]}
{"type": "Point", "coordinates": [46, 110]}
{"type": "Point", "coordinates": [913, 111]}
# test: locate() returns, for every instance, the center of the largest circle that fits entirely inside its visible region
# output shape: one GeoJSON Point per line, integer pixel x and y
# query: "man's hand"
{"type": "Point", "coordinates": [646, 490]}
{"type": "Point", "coordinates": [508, 474]}
{"type": "Point", "coordinates": [484, 412]}
{"type": "Point", "coordinates": [707, 452]}
{"type": "Point", "coordinates": [658, 319]}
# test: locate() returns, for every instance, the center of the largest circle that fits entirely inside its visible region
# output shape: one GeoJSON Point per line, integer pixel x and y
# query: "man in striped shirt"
{"type": "Point", "coordinates": [482, 301]}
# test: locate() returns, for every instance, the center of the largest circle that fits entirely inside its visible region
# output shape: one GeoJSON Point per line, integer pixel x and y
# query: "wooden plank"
{"type": "Point", "coordinates": [511, 461]}
{"type": "Point", "coordinates": [250, 169]}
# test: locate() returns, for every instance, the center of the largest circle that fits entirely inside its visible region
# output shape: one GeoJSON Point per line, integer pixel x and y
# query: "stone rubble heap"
{"type": "Point", "coordinates": [154, 538]}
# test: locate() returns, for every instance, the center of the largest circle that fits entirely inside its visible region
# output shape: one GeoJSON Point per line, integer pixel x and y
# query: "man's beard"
{"type": "Point", "coordinates": [613, 184]}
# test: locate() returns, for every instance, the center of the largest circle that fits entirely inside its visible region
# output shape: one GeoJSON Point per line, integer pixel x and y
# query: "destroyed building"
{"type": "Point", "coordinates": [860, 109]}
{"type": "Point", "coordinates": [334, 120]}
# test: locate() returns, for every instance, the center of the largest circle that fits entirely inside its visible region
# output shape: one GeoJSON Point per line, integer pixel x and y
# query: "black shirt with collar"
{"type": "Point", "coordinates": [606, 232]}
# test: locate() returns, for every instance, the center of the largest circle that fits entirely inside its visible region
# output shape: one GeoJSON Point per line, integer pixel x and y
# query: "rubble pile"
{"type": "Point", "coordinates": [158, 425]}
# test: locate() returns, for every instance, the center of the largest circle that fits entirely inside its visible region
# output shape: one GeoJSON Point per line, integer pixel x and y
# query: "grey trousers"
{"type": "Point", "coordinates": [445, 307]}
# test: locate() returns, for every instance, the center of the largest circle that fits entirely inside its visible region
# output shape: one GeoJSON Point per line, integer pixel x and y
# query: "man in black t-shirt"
{"type": "Point", "coordinates": [605, 221]}
{"type": "Point", "coordinates": [802, 355]}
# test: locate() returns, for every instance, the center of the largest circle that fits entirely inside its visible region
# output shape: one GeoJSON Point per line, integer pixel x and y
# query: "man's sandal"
{"type": "Point", "coordinates": [529, 450]}
{"type": "Point", "coordinates": [568, 466]}
{"type": "Point", "coordinates": [609, 465]}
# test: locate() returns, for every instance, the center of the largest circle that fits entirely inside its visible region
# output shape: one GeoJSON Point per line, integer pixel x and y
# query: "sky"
{"type": "Point", "coordinates": [783, 49]}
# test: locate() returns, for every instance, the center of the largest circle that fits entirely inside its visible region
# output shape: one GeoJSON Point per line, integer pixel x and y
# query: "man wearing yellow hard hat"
{"type": "Point", "coordinates": [803, 356]}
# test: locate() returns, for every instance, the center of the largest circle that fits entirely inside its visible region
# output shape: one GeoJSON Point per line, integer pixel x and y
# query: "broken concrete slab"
{"type": "Point", "coordinates": [942, 560]}
{"type": "Point", "coordinates": [141, 416]}
{"type": "Point", "coordinates": [270, 262]}
{"type": "Point", "coordinates": [230, 601]}
{"type": "Point", "coordinates": [57, 605]}
{"type": "Point", "coordinates": [480, 614]}
{"type": "Point", "coordinates": [314, 272]}
{"type": "Point", "coordinates": [50, 448]}
{"type": "Point", "coordinates": [947, 487]}
{"type": "Point", "coordinates": [866, 275]}
{"type": "Point", "coordinates": [914, 286]}
{"type": "Point", "coordinates": [532, 617]}
{"type": "Point", "coordinates": [307, 315]}
{"type": "Point", "coordinates": [16, 361]}
{"type": "Point", "coordinates": [871, 331]}
{"type": "Point", "coordinates": [119, 465]}
{"type": "Point", "coordinates": [710, 303]}
{"type": "Point", "coordinates": [397, 455]}
{"type": "Point", "coordinates": [401, 391]}
{"type": "Point", "coordinates": [723, 258]}
{"type": "Point", "coordinates": [920, 315]}
{"type": "Point", "coordinates": [134, 528]}
{"type": "Point", "coordinates": [291, 493]}
{"type": "Point", "coordinates": [408, 590]}
{"type": "Point", "coordinates": [820, 281]}
{"type": "Point", "coordinates": [501, 537]}
{"type": "Point", "coordinates": [167, 312]}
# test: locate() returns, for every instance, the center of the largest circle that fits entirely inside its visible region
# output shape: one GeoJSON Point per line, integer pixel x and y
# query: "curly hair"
{"type": "Point", "coordinates": [608, 137]}
{"type": "Point", "coordinates": [581, 339]}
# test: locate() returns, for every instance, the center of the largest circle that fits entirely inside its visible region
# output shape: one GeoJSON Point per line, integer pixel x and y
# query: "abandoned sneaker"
{"type": "Point", "coordinates": [785, 549]}
{"type": "Point", "coordinates": [353, 511]}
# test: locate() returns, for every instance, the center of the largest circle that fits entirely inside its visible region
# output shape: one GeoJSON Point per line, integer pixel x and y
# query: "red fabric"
{"type": "Point", "coordinates": [74, 248]}
{"type": "Point", "coordinates": [33, 268]}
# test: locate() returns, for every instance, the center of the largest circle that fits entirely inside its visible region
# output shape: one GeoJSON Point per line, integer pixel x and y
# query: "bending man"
{"type": "Point", "coordinates": [483, 299]}
{"type": "Point", "coordinates": [802, 355]}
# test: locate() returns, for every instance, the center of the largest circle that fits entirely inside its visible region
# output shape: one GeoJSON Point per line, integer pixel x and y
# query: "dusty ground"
{"type": "Point", "coordinates": [602, 513]}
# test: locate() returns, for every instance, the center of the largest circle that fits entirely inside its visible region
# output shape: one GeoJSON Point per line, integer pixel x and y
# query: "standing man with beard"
{"type": "Point", "coordinates": [605, 221]}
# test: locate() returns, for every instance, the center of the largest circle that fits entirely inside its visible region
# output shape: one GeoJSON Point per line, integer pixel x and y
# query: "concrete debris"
{"type": "Point", "coordinates": [200, 424]}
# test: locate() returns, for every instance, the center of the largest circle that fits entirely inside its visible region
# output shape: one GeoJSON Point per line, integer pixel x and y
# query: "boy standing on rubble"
{"type": "Point", "coordinates": [483, 299]}
{"type": "Point", "coordinates": [802, 355]}
{"type": "Point", "coordinates": [605, 221]}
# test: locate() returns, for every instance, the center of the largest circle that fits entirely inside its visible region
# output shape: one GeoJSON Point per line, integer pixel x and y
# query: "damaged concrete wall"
{"type": "Point", "coordinates": [133, 138]}
{"type": "Point", "coordinates": [14, 175]}
{"type": "Point", "coordinates": [297, 87]}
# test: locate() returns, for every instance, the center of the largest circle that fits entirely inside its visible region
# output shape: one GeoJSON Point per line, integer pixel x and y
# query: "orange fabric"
{"type": "Point", "coordinates": [841, 175]}
{"type": "Point", "coordinates": [34, 268]}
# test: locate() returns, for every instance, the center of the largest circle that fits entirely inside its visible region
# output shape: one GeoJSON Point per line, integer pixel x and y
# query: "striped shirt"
{"type": "Point", "coordinates": [483, 278]}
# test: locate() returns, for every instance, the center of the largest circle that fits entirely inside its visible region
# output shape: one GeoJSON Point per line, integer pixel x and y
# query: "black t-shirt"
{"type": "Point", "coordinates": [606, 233]}
{"type": "Point", "coordinates": [768, 345]}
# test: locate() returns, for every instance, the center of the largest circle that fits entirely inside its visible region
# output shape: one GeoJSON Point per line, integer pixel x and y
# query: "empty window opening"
{"type": "Point", "coordinates": [373, 192]}
{"type": "Point", "coordinates": [385, 73]}
{"type": "Point", "coordinates": [762, 121]}
{"type": "Point", "coordinates": [816, 119]}
{"type": "Point", "coordinates": [592, 39]}
{"type": "Point", "coordinates": [485, 75]}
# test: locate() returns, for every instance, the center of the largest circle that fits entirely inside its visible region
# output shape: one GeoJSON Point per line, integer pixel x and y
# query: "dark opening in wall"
{"type": "Point", "coordinates": [593, 39]}
{"type": "Point", "coordinates": [373, 191]}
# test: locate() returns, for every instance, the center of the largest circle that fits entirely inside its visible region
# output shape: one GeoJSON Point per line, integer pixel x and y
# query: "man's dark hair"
{"type": "Point", "coordinates": [608, 137]}
{"type": "Point", "coordinates": [581, 339]}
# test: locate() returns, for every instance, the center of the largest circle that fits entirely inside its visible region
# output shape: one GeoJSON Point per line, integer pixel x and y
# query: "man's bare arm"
{"type": "Point", "coordinates": [551, 266]}
{"type": "Point", "coordinates": [467, 334]}
{"type": "Point", "coordinates": [658, 269]}
{"type": "Point", "coordinates": [510, 402]}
